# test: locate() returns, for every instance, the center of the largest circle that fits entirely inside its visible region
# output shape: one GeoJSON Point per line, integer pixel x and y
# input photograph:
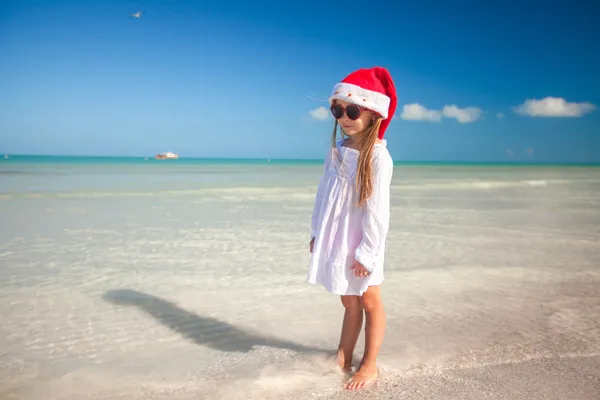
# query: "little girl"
{"type": "Point", "coordinates": [351, 214]}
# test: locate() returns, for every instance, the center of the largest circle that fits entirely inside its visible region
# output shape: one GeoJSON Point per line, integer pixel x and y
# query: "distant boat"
{"type": "Point", "coordinates": [167, 155]}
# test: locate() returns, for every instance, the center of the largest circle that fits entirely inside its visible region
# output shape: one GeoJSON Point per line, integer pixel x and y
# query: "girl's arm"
{"type": "Point", "coordinates": [319, 197]}
{"type": "Point", "coordinates": [376, 215]}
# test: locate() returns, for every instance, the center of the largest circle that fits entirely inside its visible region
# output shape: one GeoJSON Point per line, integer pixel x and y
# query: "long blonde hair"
{"type": "Point", "coordinates": [368, 138]}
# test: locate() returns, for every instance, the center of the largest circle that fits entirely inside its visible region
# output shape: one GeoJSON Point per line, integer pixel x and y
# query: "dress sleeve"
{"type": "Point", "coordinates": [319, 197]}
{"type": "Point", "coordinates": [376, 215]}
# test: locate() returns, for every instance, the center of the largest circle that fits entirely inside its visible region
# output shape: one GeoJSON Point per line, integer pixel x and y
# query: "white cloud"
{"type": "Point", "coordinates": [463, 115]}
{"type": "Point", "coordinates": [416, 112]}
{"type": "Point", "coordinates": [500, 116]}
{"type": "Point", "coordinates": [320, 114]}
{"type": "Point", "coordinates": [553, 107]}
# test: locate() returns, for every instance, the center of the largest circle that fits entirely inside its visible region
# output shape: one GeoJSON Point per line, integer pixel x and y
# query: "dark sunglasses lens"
{"type": "Point", "coordinates": [353, 112]}
{"type": "Point", "coordinates": [337, 111]}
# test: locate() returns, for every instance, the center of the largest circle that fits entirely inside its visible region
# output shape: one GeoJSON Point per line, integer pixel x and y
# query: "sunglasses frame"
{"type": "Point", "coordinates": [345, 110]}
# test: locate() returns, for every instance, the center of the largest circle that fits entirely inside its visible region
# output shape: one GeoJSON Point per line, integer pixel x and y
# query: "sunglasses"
{"type": "Point", "coordinates": [352, 111]}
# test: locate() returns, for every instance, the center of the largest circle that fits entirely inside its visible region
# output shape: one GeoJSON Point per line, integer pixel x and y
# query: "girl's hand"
{"type": "Point", "coordinates": [359, 270]}
{"type": "Point", "coordinates": [312, 243]}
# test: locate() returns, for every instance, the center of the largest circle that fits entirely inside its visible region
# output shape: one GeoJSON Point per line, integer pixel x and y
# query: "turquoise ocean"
{"type": "Point", "coordinates": [24, 175]}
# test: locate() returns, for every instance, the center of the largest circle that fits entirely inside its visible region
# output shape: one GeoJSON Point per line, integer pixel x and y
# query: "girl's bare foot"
{"type": "Point", "coordinates": [364, 378]}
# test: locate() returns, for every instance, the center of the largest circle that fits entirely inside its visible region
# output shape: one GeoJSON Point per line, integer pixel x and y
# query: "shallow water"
{"type": "Point", "coordinates": [121, 281]}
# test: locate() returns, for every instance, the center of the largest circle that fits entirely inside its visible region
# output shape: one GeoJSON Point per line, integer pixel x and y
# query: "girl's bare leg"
{"type": "Point", "coordinates": [374, 333]}
{"type": "Point", "coordinates": [353, 319]}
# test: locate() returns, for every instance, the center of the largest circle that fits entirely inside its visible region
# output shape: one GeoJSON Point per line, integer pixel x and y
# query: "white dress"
{"type": "Point", "coordinates": [345, 232]}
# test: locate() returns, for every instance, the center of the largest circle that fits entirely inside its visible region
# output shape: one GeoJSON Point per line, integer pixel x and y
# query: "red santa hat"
{"type": "Point", "coordinates": [371, 88]}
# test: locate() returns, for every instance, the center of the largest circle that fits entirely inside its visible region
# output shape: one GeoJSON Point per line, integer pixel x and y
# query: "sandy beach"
{"type": "Point", "coordinates": [186, 285]}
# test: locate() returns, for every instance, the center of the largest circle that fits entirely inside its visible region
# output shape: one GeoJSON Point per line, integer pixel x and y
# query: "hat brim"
{"type": "Point", "coordinates": [375, 101]}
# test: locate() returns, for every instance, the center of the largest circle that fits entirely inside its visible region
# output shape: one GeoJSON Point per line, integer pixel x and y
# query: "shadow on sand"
{"type": "Point", "coordinates": [205, 331]}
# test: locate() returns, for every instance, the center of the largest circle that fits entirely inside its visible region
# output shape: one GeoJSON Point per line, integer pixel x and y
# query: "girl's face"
{"type": "Point", "coordinates": [353, 127]}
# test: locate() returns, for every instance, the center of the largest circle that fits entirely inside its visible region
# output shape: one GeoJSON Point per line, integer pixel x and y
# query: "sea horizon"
{"type": "Point", "coordinates": [104, 158]}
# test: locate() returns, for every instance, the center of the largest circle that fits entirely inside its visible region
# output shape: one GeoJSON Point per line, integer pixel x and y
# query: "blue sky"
{"type": "Point", "coordinates": [476, 81]}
